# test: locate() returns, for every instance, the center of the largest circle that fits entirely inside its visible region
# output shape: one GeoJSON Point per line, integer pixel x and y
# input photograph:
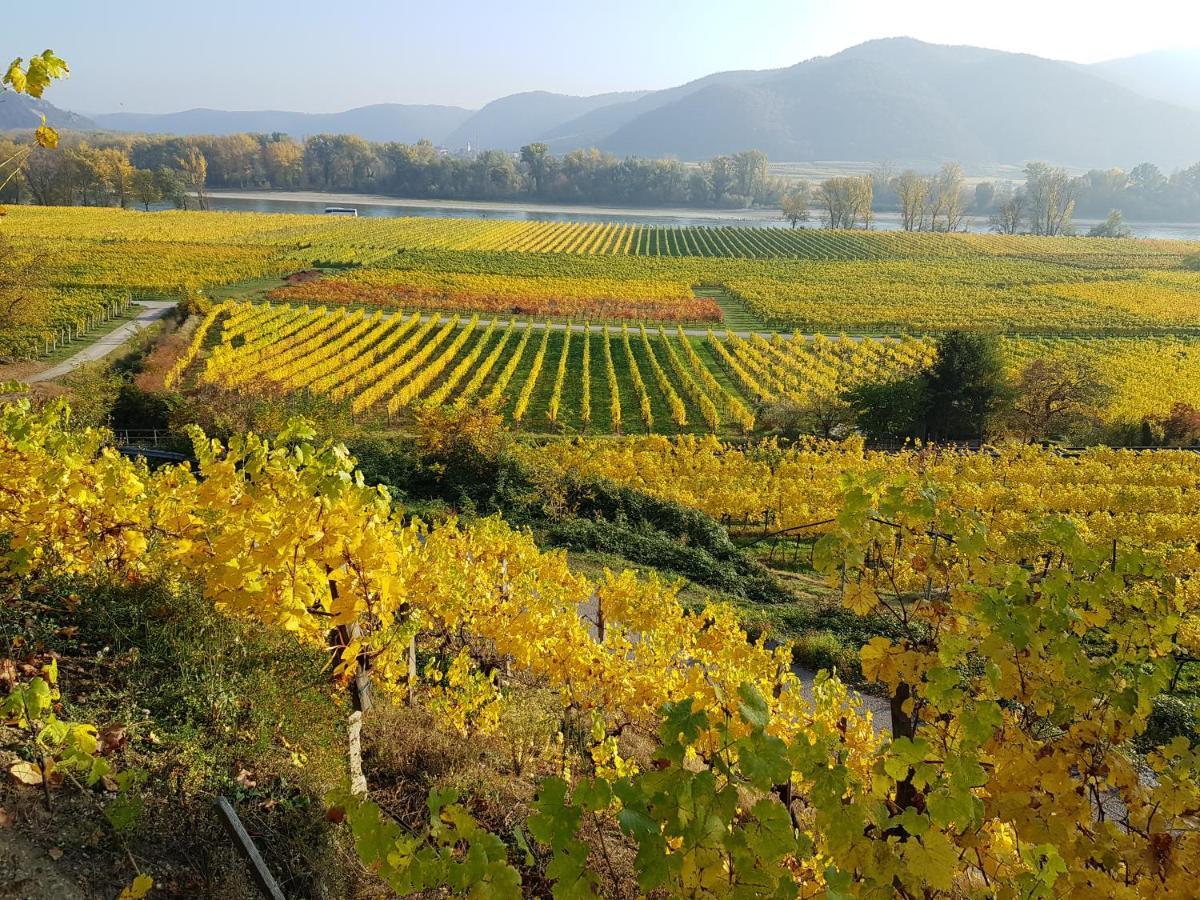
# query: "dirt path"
{"type": "Point", "coordinates": [27, 872]}
{"type": "Point", "coordinates": [152, 311]}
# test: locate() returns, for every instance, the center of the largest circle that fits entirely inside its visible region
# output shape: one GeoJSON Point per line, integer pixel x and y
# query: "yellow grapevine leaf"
{"type": "Point", "coordinates": [45, 135]}
{"type": "Point", "coordinates": [138, 888]}
{"type": "Point", "coordinates": [26, 773]}
{"type": "Point", "coordinates": [15, 76]}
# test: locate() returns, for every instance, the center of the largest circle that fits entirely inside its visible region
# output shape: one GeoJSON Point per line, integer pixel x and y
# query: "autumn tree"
{"type": "Point", "coordinates": [1010, 212]}
{"type": "Point", "coordinates": [145, 188]}
{"type": "Point", "coordinates": [1051, 194]}
{"type": "Point", "coordinates": [913, 192]}
{"type": "Point", "coordinates": [846, 201]}
{"type": "Point", "coordinates": [114, 174]}
{"type": "Point", "coordinates": [825, 415]}
{"type": "Point", "coordinates": [1053, 396]}
{"type": "Point", "coordinates": [283, 162]}
{"type": "Point", "coordinates": [1181, 426]}
{"type": "Point", "coordinates": [795, 204]}
{"type": "Point", "coordinates": [193, 167]}
{"type": "Point", "coordinates": [949, 200]}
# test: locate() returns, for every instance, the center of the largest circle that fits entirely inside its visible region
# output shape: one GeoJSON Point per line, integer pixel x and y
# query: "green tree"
{"type": "Point", "coordinates": [171, 187]}
{"type": "Point", "coordinates": [145, 188]}
{"type": "Point", "coordinates": [534, 158]}
{"type": "Point", "coordinates": [750, 173]}
{"type": "Point", "coordinates": [965, 387]}
{"type": "Point", "coordinates": [985, 193]}
{"type": "Point", "coordinates": [889, 410]}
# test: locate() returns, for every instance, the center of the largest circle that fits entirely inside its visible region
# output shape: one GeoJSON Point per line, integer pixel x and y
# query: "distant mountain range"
{"type": "Point", "coordinates": [507, 123]}
{"type": "Point", "coordinates": [895, 99]}
{"type": "Point", "coordinates": [22, 111]}
{"type": "Point", "coordinates": [381, 122]}
{"type": "Point", "coordinates": [1169, 75]}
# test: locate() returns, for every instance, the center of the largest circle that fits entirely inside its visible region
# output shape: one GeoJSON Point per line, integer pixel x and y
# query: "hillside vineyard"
{"type": "Point", "coordinates": [669, 378]}
{"type": "Point", "coordinates": [505, 554]}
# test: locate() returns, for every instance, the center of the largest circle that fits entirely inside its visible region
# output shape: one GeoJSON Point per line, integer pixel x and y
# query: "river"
{"type": "Point", "coordinates": [375, 205]}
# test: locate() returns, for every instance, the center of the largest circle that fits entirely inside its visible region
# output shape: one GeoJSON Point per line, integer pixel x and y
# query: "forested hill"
{"type": "Point", "coordinates": [906, 100]}
{"type": "Point", "coordinates": [1170, 75]}
{"type": "Point", "coordinates": [19, 111]}
{"type": "Point", "coordinates": [898, 99]}
{"type": "Point", "coordinates": [380, 122]}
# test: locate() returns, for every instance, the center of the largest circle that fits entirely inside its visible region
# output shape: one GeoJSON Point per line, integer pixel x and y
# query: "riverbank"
{"type": "Point", "coordinates": [505, 209]}
{"type": "Point", "coordinates": [379, 205]}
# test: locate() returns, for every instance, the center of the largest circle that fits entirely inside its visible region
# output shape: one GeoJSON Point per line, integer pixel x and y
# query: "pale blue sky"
{"type": "Point", "coordinates": [159, 55]}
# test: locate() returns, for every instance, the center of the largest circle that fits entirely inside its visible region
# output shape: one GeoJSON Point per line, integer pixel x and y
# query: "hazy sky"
{"type": "Point", "coordinates": [328, 55]}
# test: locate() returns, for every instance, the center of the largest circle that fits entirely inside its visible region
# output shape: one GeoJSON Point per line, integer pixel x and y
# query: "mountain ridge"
{"type": "Point", "coordinates": [1172, 76]}
{"type": "Point", "coordinates": [897, 99]}
{"type": "Point", "coordinates": [375, 122]}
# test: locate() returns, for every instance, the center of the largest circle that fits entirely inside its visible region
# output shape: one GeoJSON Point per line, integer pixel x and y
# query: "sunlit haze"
{"type": "Point", "coordinates": [318, 56]}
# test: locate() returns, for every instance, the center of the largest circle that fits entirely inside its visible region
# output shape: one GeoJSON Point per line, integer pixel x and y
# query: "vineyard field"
{"type": "Point", "coordinates": [809, 280]}
{"type": "Point", "coordinates": [640, 379]}
{"type": "Point", "coordinates": [1145, 499]}
{"type": "Point", "coordinates": [1002, 293]}
{"type": "Point", "coordinates": [351, 239]}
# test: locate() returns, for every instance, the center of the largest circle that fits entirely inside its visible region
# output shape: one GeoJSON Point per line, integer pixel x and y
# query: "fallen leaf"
{"type": "Point", "coordinates": [109, 784]}
{"type": "Point", "coordinates": [336, 815]}
{"type": "Point", "coordinates": [5, 819]}
{"type": "Point", "coordinates": [55, 853]}
{"type": "Point", "coordinates": [245, 779]}
{"type": "Point", "coordinates": [139, 888]}
{"type": "Point", "coordinates": [111, 737]}
{"type": "Point", "coordinates": [8, 674]}
{"type": "Point", "coordinates": [26, 773]}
